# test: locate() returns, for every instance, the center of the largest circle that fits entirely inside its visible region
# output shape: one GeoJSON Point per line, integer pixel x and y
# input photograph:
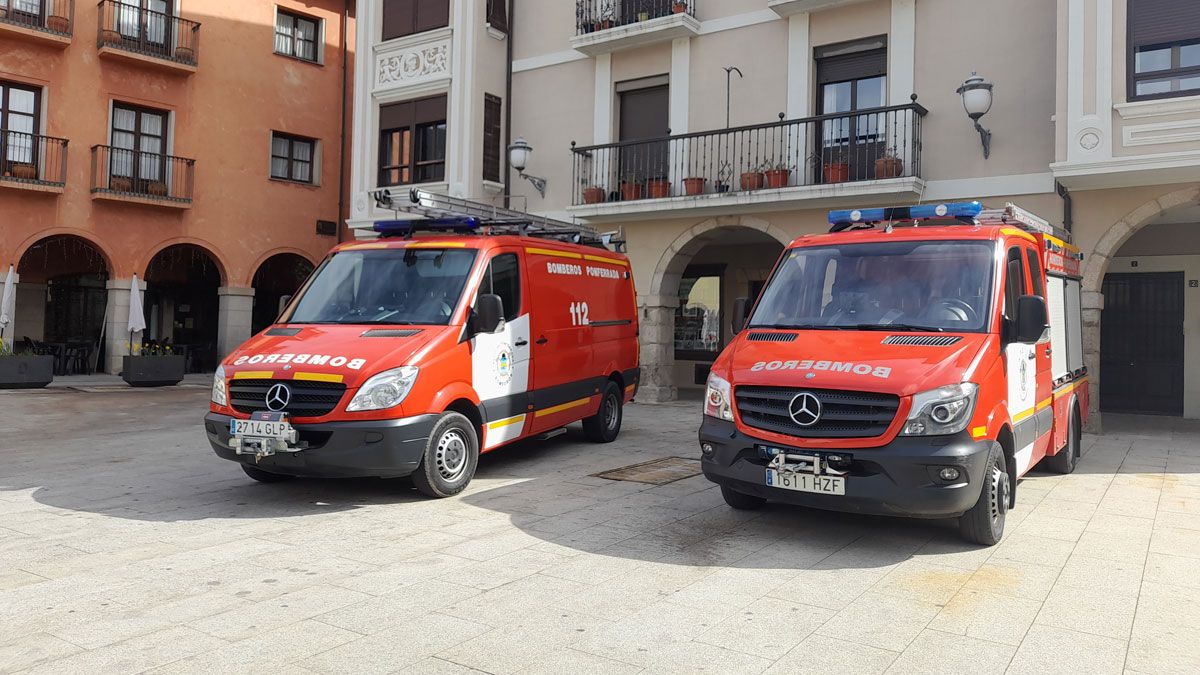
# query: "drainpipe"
{"type": "Point", "coordinates": [342, 138]}
{"type": "Point", "coordinates": [1068, 217]}
{"type": "Point", "coordinates": [508, 106]}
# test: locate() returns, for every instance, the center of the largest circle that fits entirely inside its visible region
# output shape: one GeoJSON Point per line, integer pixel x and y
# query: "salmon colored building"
{"type": "Point", "coordinates": [196, 144]}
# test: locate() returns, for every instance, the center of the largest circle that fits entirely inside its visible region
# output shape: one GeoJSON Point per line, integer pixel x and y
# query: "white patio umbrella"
{"type": "Point", "coordinates": [7, 303]}
{"type": "Point", "coordinates": [137, 317]}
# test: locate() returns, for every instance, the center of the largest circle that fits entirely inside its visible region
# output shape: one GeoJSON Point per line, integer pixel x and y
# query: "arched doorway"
{"type": "Point", "coordinates": [278, 277]}
{"type": "Point", "coordinates": [688, 319]}
{"type": "Point", "coordinates": [60, 302]}
{"type": "Point", "coordinates": [182, 305]}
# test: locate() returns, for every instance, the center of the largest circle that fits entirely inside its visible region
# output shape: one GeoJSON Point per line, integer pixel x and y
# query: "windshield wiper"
{"type": "Point", "coordinates": [799, 326]}
{"type": "Point", "coordinates": [906, 327]}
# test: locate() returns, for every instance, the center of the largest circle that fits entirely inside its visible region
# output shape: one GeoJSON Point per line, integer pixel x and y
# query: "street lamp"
{"type": "Point", "coordinates": [976, 96]}
{"type": "Point", "coordinates": [518, 158]}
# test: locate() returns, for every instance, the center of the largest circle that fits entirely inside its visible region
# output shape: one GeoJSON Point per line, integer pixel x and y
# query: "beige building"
{"type": "Point", "coordinates": [713, 132]}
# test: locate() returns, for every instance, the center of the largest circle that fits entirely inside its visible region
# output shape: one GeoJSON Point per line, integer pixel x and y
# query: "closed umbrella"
{"type": "Point", "coordinates": [6, 303]}
{"type": "Point", "coordinates": [137, 318]}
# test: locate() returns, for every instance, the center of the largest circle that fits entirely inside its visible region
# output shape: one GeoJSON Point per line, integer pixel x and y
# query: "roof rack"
{"type": "Point", "coordinates": [950, 213]}
{"type": "Point", "coordinates": [441, 213]}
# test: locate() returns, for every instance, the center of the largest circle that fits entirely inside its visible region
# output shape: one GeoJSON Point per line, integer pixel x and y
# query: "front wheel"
{"type": "Point", "coordinates": [451, 455]}
{"type": "Point", "coordinates": [984, 523]}
{"type": "Point", "coordinates": [604, 426]}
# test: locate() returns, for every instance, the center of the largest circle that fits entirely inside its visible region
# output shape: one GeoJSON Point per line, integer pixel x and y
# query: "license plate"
{"type": "Point", "coordinates": [807, 482]}
{"type": "Point", "coordinates": [260, 429]}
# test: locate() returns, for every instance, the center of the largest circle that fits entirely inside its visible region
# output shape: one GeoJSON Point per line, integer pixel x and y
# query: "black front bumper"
{"type": "Point", "coordinates": [384, 448]}
{"type": "Point", "coordinates": [898, 479]}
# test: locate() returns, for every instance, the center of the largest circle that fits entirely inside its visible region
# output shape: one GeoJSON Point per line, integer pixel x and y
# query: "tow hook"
{"type": "Point", "coordinates": [787, 463]}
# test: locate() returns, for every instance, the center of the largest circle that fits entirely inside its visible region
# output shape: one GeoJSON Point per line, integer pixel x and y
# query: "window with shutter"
{"type": "Point", "coordinates": [492, 109]}
{"type": "Point", "coordinates": [412, 141]}
{"type": "Point", "coordinates": [292, 157]}
{"type": "Point", "coordinates": [406, 17]}
{"type": "Point", "coordinates": [497, 15]}
{"type": "Point", "coordinates": [296, 35]}
{"type": "Point", "coordinates": [1164, 48]}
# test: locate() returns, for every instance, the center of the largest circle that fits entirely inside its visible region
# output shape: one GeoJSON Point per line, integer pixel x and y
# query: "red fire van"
{"type": "Point", "coordinates": [915, 361]}
{"type": "Point", "coordinates": [410, 355]}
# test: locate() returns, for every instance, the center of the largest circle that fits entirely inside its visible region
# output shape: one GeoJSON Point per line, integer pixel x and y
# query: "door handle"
{"type": "Point", "coordinates": [521, 342]}
{"type": "Point", "coordinates": [542, 340]}
{"type": "Point", "coordinates": [1031, 356]}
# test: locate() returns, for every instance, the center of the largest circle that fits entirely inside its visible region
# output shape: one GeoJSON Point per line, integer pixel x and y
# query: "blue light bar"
{"type": "Point", "coordinates": [404, 226]}
{"type": "Point", "coordinates": [916, 212]}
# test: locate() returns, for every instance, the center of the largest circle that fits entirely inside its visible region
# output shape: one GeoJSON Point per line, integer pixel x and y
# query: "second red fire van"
{"type": "Point", "coordinates": [411, 355]}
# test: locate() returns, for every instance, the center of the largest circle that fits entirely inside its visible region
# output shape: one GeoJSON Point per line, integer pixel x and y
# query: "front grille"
{"type": "Point", "coordinates": [922, 340]}
{"type": "Point", "coordinates": [772, 337]}
{"type": "Point", "coordinates": [309, 399]}
{"type": "Point", "coordinates": [844, 414]}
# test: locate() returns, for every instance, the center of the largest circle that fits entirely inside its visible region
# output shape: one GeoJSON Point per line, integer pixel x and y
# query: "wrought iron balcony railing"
{"type": "Point", "coordinates": [135, 29]}
{"type": "Point", "coordinates": [51, 16]}
{"type": "Point", "coordinates": [596, 15]}
{"type": "Point", "coordinates": [147, 175]}
{"type": "Point", "coordinates": [32, 159]}
{"type": "Point", "coordinates": [864, 145]}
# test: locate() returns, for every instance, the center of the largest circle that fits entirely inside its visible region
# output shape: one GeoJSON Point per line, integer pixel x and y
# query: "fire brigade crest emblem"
{"type": "Point", "coordinates": [503, 364]}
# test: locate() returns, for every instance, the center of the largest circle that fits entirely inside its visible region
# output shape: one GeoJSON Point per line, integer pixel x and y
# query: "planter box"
{"type": "Point", "coordinates": [26, 372]}
{"type": "Point", "coordinates": [152, 371]}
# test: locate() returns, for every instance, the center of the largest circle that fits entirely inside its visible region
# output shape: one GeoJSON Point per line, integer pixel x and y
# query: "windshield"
{"type": "Point", "coordinates": [394, 286]}
{"type": "Point", "coordinates": [903, 285]}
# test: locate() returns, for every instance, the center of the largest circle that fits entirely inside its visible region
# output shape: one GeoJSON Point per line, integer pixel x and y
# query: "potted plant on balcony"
{"type": "Point", "coordinates": [694, 186]}
{"type": "Point", "coordinates": [889, 165]}
{"type": "Point", "coordinates": [835, 164]}
{"type": "Point", "coordinates": [753, 179]}
{"type": "Point", "coordinates": [120, 183]}
{"type": "Point", "coordinates": [25, 370]}
{"type": "Point", "coordinates": [152, 365]}
{"type": "Point", "coordinates": [58, 24]}
{"type": "Point", "coordinates": [631, 187]}
{"type": "Point", "coordinates": [156, 188]}
{"type": "Point", "coordinates": [110, 36]}
{"type": "Point", "coordinates": [723, 175]}
{"type": "Point", "coordinates": [592, 194]}
{"type": "Point", "coordinates": [778, 175]}
{"type": "Point", "coordinates": [658, 187]}
{"type": "Point", "coordinates": [607, 14]}
{"type": "Point", "coordinates": [185, 54]}
{"type": "Point", "coordinates": [24, 170]}
{"type": "Point", "coordinates": [678, 7]}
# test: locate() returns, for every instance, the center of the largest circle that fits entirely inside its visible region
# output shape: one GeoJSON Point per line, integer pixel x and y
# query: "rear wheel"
{"type": "Point", "coordinates": [1065, 460]}
{"type": "Point", "coordinates": [741, 501]}
{"type": "Point", "coordinates": [984, 523]}
{"type": "Point", "coordinates": [265, 476]}
{"type": "Point", "coordinates": [604, 426]}
{"type": "Point", "coordinates": [451, 455]}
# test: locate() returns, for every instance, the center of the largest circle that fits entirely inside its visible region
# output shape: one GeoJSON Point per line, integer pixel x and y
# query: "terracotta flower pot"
{"type": "Point", "coordinates": [777, 178]}
{"type": "Point", "coordinates": [110, 37]}
{"type": "Point", "coordinates": [679, 8]}
{"type": "Point", "coordinates": [659, 188]}
{"type": "Point", "coordinates": [120, 184]}
{"type": "Point", "coordinates": [694, 186]}
{"type": "Point", "coordinates": [752, 180]}
{"type": "Point", "coordinates": [157, 188]}
{"type": "Point", "coordinates": [25, 171]}
{"type": "Point", "coordinates": [631, 191]}
{"type": "Point", "coordinates": [836, 173]}
{"type": "Point", "coordinates": [58, 24]}
{"type": "Point", "coordinates": [185, 54]}
{"type": "Point", "coordinates": [889, 167]}
{"type": "Point", "coordinates": [593, 195]}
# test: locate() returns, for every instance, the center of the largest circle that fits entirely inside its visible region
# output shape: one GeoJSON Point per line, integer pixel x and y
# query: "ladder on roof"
{"type": "Point", "coordinates": [437, 212]}
{"type": "Point", "coordinates": [952, 213]}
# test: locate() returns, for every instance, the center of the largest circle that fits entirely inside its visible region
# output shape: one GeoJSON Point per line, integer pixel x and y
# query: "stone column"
{"type": "Point", "coordinates": [1091, 306]}
{"type": "Point", "coordinates": [656, 324]}
{"type": "Point", "coordinates": [233, 318]}
{"type": "Point", "coordinates": [116, 322]}
{"type": "Point", "coordinates": [9, 330]}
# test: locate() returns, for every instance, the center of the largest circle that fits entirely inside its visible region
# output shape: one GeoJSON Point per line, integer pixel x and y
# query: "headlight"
{"type": "Point", "coordinates": [718, 400]}
{"type": "Point", "coordinates": [219, 395]}
{"type": "Point", "coordinates": [941, 411]}
{"type": "Point", "coordinates": [385, 390]}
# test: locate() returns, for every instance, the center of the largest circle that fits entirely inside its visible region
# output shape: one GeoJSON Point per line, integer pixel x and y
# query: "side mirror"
{"type": "Point", "coordinates": [489, 312]}
{"type": "Point", "coordinates": [741, 312]}
{"type": "Point", "coordinates": [1031, 319]}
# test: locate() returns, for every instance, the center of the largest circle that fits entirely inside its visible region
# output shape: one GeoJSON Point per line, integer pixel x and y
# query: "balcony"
{"type": "Point", "coordinates": [872, 155]}
{"type": "Point", "coordinates": [123, 175]}
{"type": "Point", "coordinates": [132, 33]}
{"type": "Point", "coordinates": [32, 162]}
{"type": "Point", "coordinates": [790, 7]}
{"type": "Point", "coordinates": [605, 26]}
{"type": "Point", "coordinates": [47, 22]}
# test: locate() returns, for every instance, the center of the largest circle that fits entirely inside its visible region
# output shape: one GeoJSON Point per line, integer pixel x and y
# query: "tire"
{"type": "Point", "coordinates": [605, 425]}
{"type": "Point", "coordinates": [740, 501]}
{"type": "Point", "coordinates": [1066, 459]}
{"type": "Point", "coordinates": [265, 476]}
{"type": "Point", "coordinates": [984, 523]}
{"type": "Point", "coordinates": [451, 456]}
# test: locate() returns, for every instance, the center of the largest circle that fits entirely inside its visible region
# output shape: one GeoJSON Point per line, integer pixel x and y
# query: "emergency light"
{"type": "Point", "coordinates": [915, 212]}
{"type": "Point", "coordinates": [403, 227]}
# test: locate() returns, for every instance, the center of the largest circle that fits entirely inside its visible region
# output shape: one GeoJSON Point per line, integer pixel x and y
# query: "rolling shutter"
{"type": "Point", "coordinates": [1157, 21]}
{"type": "Point", "coordinates": [492, 110]}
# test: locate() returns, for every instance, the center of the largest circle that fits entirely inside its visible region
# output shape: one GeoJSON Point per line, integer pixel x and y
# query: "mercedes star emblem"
{"type": "Point", "coordinates": [279, 396]}
{"type": "Point", "coordinates": [805, 409]}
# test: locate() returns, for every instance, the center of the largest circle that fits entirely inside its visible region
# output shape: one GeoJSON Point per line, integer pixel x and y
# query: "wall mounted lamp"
{"type": "Point", "coordinates": [976, 96]}
{"type": "Point", "coordinates": [518, 158]}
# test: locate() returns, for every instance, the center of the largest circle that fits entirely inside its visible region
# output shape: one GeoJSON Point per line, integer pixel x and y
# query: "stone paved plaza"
{"type": "Point", "coordinates": [127, 546]}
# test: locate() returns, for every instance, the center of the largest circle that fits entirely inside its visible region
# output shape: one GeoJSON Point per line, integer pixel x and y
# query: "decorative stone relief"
{"type": "Point", "coordinates": [360, 204]}
{"type": "Point", "coordinates": [1089, 139]}
{"type": "Point", "coordinates": [415, 65]}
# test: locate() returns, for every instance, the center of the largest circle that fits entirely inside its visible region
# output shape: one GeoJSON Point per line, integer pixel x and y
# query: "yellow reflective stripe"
{"type": "Point", "coordinates": [552, 252]}
{"type": "Point", "coordinates": [1023, 415]}
{"type": "Point", "coordinates": [357, 247]}
{"type": "Point", "coordinates": [978, 432]}
{"type": "Point", "coordinates": [509, 421]}
{"type": "Point", "coordinates": [1015, 232]}
{"type": "Point", "coordinates": [610, 261]}
{"type": "Point", "coordinates": [437, 244]}
{"type": "Point", "coordinates": [1043, 404]}
{"type": "Point", "coordinates": [254, 375]}
{"type": "Point", "coordinates": [560, 408]}
{"type": "Point", "coordinates": [319, 377]}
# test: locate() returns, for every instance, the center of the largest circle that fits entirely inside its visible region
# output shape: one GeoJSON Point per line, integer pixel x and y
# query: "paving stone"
{"type": "Point", "coordinates": [401, 645]}
{"type": "Point", "coordinates": [882, 621]}
{"type": "Point", "coordinates": [1047, 650]}
{"type": "Point", "coordinates": [23, 652]}
{"type": "Point", "coordinates": [936, 652]}
{"type": "Point", "coordinates": [987, 616]}
{"type": "Point", "coordinates": [819, 655]}
{"type": "Point", "coordinates": [1096, 610]}
{"type": "Point", "coordinates": [767, 628]}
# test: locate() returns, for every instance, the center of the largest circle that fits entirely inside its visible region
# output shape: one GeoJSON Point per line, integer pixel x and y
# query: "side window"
{"type": "Point", "coordinates": [503, 278]}
{"type": "Point", "coordinates": [1035, 272]}
{"type": "Point", "coordinates": [1014, 282]}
